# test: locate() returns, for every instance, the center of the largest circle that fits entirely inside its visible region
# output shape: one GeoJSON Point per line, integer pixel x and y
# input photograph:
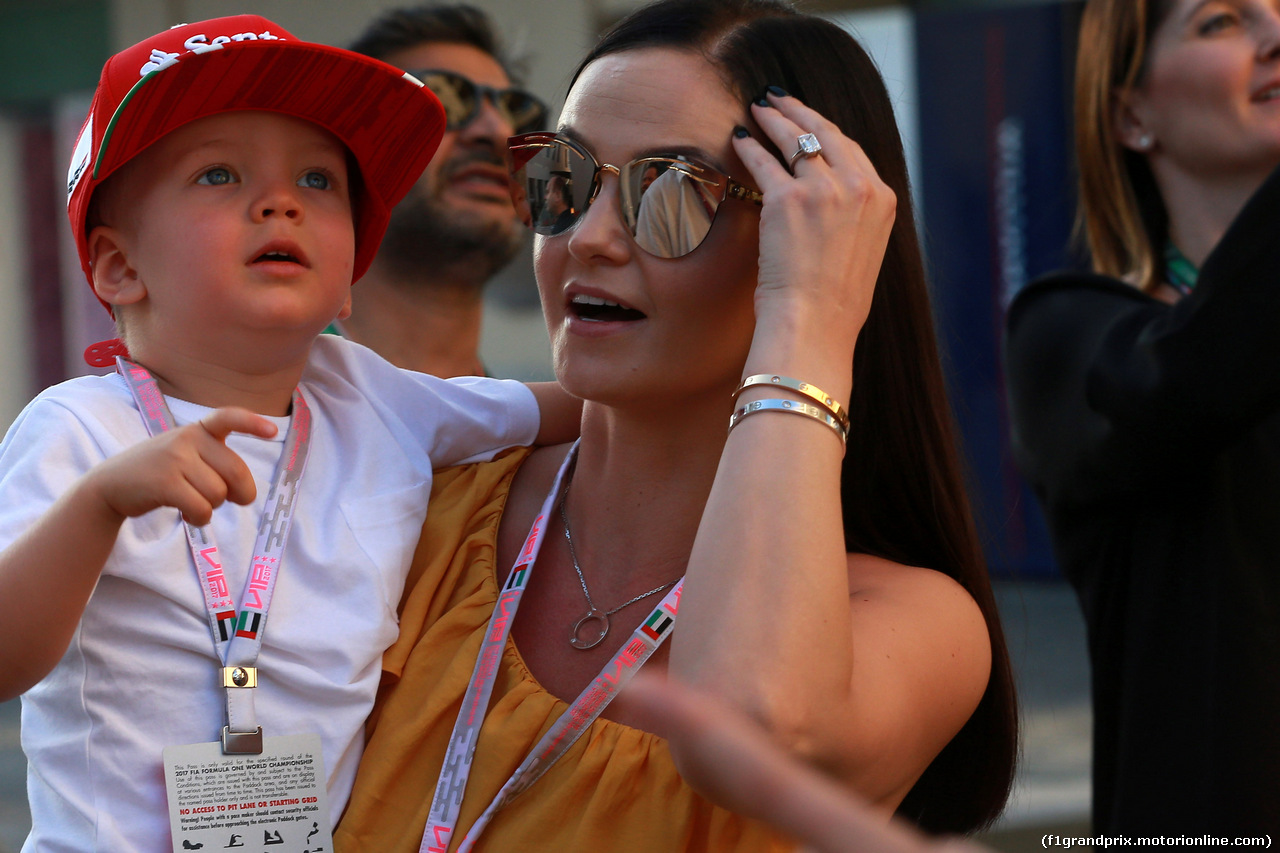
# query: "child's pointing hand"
{"type": "Point", "coordinates": [189, 468]}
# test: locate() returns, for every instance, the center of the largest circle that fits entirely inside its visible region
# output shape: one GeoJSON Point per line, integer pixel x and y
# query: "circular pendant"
{"type": "Point", "coordinates": [591, 642]}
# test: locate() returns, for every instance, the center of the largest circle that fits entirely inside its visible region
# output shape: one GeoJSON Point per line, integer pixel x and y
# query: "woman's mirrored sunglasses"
{"type": "Point", "coordinates": [668, 200]}
{"type": "Point", "coordinates": [461, 99]}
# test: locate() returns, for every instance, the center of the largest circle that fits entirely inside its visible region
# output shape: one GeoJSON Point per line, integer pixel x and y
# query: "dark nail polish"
{"type": "Point", "coordinates": [777, 91]}
{"type": "Point", "coordinates": [741, 132]}
{"type": "Point", "coordinates": [762, 101]}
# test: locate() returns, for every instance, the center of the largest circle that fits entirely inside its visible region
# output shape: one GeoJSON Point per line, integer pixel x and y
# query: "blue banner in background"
{"type": "Point", "coordinates": [997, 206]}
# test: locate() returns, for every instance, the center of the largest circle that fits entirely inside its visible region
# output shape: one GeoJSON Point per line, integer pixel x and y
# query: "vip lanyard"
{"type": "Point", "coordinates": [450, 788]}
{"type": "Point", "coordinates": [237, 638]}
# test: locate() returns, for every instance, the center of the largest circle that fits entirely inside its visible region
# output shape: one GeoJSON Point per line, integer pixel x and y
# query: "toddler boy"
{"type": "Point", "coordinates": [229, 184]}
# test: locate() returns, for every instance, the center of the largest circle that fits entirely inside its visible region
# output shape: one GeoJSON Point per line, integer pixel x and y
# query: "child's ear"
{"type": "Point", "coordinates": [345, 311]}
{"type": "Point", "coordinates": [114, 279]}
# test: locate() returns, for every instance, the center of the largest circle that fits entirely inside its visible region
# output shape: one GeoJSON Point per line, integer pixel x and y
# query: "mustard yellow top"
{"type": "Point", "coordinates": [615, 789]}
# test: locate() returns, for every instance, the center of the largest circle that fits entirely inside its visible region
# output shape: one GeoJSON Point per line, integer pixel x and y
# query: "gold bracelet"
{"type": "Point", "coordinates": [795, 407]}
{"type": "Point", "coordinates": [813, 392]}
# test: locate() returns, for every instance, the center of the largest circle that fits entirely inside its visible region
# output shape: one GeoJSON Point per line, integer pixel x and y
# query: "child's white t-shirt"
{"type": "Point", "coordinates": [140, 673]}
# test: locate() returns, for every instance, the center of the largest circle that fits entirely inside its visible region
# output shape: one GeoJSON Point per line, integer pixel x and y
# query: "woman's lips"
{"type": "Point", "coordinates": [598, 309]}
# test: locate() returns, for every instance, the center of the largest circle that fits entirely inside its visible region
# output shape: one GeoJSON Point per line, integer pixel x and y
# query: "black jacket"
{"type": "Point", "coordinates": [1151, 435]}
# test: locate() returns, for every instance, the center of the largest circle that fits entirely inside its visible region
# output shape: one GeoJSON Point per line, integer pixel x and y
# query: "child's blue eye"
{"type": "Point", "coordinates": [314, 181]}
{"type": "Point", "coordinates": [216, 177]}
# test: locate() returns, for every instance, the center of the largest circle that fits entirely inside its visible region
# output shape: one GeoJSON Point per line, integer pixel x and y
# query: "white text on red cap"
{"type": "Point", "coordinates": [199, 43]}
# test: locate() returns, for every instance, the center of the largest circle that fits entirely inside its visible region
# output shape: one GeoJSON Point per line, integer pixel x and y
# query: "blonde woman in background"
{"type": "Point", "coordinates": [1146, 405]}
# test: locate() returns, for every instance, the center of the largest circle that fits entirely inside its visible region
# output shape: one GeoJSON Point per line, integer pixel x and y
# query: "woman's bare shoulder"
{"type": "Point", "coordinates": [925, 616]}
{"type": "Point", "coordinates": [882, 578]}
{"type": "Point", "coordinates": [535, 477]}
{"type": "Point", "coordinates": [528, 490]}
{"type": "Point", "coordinates": [923, 656]}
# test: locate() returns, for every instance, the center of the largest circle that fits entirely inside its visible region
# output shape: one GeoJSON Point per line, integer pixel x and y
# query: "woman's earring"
{"type": "Point", "coordinates": [1145, 142]}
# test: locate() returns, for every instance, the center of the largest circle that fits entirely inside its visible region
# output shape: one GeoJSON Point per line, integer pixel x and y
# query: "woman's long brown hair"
{"type": "Point", "coordinates": [1122, 215]}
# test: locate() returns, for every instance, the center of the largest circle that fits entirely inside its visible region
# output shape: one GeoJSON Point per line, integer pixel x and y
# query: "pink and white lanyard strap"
{"type": "Point", "coordinates": [447, 801]}
{"type": "Point", "coordinates": [237, 638]}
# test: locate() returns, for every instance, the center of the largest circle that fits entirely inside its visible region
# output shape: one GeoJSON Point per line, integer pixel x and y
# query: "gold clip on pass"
{"type": "Point", "coordinates": [241, 743]}
{"type": "Point", "coordinates": [239, 676]}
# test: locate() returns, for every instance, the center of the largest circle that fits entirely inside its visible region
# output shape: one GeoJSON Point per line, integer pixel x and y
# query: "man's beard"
{"type": "Point", "coordinates": [426, 236]}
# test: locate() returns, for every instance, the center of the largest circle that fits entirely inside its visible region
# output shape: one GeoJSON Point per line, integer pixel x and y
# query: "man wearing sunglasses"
{"type": "Point", "coordinates": [420, 304]}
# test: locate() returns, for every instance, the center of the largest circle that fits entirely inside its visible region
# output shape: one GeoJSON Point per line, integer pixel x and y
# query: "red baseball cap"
{"type": "Point", "coordinates": [389, 121]}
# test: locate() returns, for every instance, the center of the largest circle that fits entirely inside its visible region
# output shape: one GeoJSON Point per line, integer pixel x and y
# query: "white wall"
{"type": "Point", "coordinates": [15, 309]}
{"type": "Point", "coordinates": [888, 35]}
{"type": "Point", "coordinates": [84, 320]}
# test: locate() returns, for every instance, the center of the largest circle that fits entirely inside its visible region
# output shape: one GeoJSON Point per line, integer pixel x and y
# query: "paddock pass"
{"type": "Point", "coordinates": [269, 803]}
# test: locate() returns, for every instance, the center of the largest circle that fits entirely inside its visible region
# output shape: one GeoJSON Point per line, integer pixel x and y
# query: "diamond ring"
{"type": "Point", "coordinates": [807, 145]}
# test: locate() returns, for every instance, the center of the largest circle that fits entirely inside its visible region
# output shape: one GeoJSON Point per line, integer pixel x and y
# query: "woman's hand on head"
{"type": "Point", "coordinates": [823, 229]}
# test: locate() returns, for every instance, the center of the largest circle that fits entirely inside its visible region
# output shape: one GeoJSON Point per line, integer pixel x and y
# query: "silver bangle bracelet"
{"type": "Point", "coordinates": [795, 407]}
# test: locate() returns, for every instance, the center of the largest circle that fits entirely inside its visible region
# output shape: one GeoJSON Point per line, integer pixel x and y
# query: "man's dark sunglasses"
{"type": "Point", "coordinates": [461, 98]}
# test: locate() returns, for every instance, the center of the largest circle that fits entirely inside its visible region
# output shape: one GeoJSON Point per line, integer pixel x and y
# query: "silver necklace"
{"type": "Point", "coordinates": [594, 614]}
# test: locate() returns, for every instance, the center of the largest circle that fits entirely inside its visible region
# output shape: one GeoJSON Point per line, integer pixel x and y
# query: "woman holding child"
{"type": "Point", "coordinates": [1146, 405]}
{"type": "Point", "coordinates": [836, 596]}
